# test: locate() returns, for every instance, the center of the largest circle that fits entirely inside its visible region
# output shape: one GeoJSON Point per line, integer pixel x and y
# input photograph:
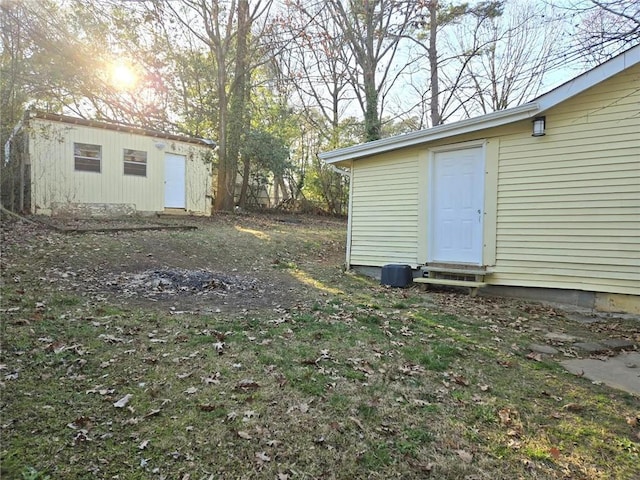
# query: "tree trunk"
{"type": "Point", "coordinates": [225, 198]}
{"type": "Point", "coordinates": [371, 117]}
{"type": "Point", "coordinates": [246, 169]}
{"type": "Point", "coordinates": [285, 191]}
{"type": "Point", "coordinates": [434, 106]}
{"type": "Point", "coordinates": [369, 65]}
{"type": "Point", "coordinates": [276, 192]}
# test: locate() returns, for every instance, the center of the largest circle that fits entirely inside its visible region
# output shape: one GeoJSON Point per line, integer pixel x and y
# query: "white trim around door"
{"type": "Point", "coordinates": [456, 204]}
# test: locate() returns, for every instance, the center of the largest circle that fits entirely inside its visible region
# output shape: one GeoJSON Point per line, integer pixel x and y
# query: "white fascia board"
{"type": "Point", "coordinates": [589, 79]}
{"type": "Point", "coordinates": [489, 120]}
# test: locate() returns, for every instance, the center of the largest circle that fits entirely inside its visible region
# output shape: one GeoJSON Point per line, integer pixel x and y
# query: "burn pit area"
{"type": "Point", "coordinates": [168, 282]}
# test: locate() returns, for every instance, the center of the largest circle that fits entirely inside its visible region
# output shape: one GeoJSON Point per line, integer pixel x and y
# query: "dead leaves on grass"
{"type": "Point", "coordinates": [465, 456]}
{"type": "Point", "coordinates": [510, 418]}
{"type": "Point", "coordinates": [334, 363]}
{"type": "Point", "coordinates": [123, 401]}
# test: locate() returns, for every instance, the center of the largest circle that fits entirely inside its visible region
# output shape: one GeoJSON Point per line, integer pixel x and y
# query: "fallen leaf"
{"type": "Point", "coordinates": [505, 416]}
{"type": "Point", "coordinates": [80, 423]}
{"type": "Point", "coordinates": [244, 435]}
{"type": "Point", "coordinates": [211, 379]}
{"type": "Point", "coordinates": [534, 356]}
{"type": "Point", "coordinates": [191, 390]}
{"type": "Point", "coordinates": [207, 407]}
{"type": "Point", "coordinates": [143, 445]}
{"type": "Point", "coordinates": [460, 380]}
{"type": "Point", "coordinates": [81, 437]}
{"type": "Point", "coordinates": [263, 457]}
{"type": "Point", "coordinates": [465, 456]}
{"type": "Point", "coordinates": [247, 385]}
{"type": "Point", "coordinates": [425, 468]}
{"type": "Point", "coordinates": [573, 407]}
{"type": "Point", "coordinates": [123, 401]}
{"type": "Point", "coordinates": [357, 422]}
{"type": "Point", "coordinates": [554, 452]}
{"type": "Point", "coordinates": [152, 413]}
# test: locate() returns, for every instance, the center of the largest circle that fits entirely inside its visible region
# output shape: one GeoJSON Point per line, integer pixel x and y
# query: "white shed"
{"type": "Point", "coordinates": [86, 167]}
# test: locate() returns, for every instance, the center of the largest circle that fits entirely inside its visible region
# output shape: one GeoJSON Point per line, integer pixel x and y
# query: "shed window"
{"type": "Point", "coordinates": [87, 158]}
{"type": "Point", "coordinates": [135, 162]}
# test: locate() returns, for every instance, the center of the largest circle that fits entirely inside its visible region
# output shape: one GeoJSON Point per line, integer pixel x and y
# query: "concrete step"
{"type": "Point", "coordinates": [446, 281]}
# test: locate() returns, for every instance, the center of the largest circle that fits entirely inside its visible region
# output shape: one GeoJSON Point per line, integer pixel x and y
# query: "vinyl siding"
{"type": "Point", "coordinates": [564, 208]}
{"type": "Point", "coordinates": [56, 182]}
{"type": "Point", "coordinates": [384, 215]}
{"type": "Point", "coordinates": [569, 202]}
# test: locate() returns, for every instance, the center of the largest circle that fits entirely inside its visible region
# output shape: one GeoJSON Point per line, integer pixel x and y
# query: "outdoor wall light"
{"type": "Point", "coordinates": [538, 127]}
{"type": "Point", "coordinates": [160, 145]}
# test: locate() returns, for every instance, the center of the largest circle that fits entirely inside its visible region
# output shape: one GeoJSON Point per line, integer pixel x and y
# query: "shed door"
{"type": "Point", "coordinates": [457, 201]}
{"type": "Point", "coordinates": [175, 181]}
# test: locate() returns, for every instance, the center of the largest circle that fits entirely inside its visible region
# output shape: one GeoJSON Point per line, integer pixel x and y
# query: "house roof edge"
{"type": "Point", "coordinates": [493, 119]}
{"type": "Point", "coordinates": [121, 127]}
{"type": "Point", "coordinates": [535, 107]}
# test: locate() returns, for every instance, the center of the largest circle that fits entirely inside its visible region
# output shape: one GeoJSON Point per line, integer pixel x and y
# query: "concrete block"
{"type": "Point", "coordinates": [618, 344]}
{"type": "Point", "coordinates": [591, 347]}
{"type": "Point", "coordinates": [546, 349]}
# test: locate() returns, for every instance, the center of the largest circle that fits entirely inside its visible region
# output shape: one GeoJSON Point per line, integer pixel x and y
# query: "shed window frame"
{"type": "Point", "coordinates": [87, 157]}
{"type": "Point", "coordinates": [135, 162]}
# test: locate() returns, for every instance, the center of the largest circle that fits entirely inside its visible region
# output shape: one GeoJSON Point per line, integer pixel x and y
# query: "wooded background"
{"type": "Point", "coordinates": [274, 82]}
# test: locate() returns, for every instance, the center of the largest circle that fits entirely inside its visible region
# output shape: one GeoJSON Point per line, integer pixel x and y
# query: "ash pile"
{"type": "Point", "coordinates": [158, 283]}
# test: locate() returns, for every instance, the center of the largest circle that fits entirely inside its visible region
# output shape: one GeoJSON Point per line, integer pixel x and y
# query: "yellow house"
{"type": "Point", "coordinates": [78, 166]}
{"type": "Point", "coordinates": [544, 195]}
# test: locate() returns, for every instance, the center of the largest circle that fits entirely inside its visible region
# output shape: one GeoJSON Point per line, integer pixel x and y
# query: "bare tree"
{"type": "Point", "coordinates": [229, 30]}
{"type": "Point", "coordinates": [372, 31]}
{"type": "Point", "coordinates": [514, 51]}
{"type": "Point", "coordinates": [596, 30]}
{"type": "Point", "coordinates": [315, 67]}
{"type": "Point", "coordinates": [607, 27]}
{"type": "Point", "coordinates": [447, 67]}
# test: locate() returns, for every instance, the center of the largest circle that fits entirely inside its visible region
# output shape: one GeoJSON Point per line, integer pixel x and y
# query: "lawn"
{"type": "Point", "coordinates": [241, 349]}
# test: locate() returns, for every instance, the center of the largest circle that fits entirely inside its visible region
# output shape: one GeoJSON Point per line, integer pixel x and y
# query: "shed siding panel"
{"type": "Point", "coordinates": [569, 202]}
{"type": "Point", "coordinates": [55, 180]}
{"type": "Point", "coordinates": [385, 210]}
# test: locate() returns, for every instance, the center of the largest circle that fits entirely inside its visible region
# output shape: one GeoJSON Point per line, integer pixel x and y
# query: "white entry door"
{"type": "Point", "coordinates": [457, 203]}
{"type": "Point", "coordinates": [175, 181]}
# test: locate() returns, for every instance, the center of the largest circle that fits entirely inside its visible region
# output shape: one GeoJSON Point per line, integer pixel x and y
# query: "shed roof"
{"type": "Point", "coordinates": [120, 127]}
{"type": "Point", "coordinates": [528, 110]}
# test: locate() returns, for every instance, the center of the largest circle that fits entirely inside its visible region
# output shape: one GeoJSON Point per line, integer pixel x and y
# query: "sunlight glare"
{"type": "Point", "coordinates": [123, 77]}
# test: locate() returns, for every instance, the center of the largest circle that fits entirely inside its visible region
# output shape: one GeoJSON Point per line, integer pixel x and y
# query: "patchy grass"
{"type": "Point", "coordinates": [335, 377]}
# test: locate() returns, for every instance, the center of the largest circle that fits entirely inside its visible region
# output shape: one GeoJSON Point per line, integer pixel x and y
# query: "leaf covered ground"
{"type": "Point", "coordinates": [242, 350]}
